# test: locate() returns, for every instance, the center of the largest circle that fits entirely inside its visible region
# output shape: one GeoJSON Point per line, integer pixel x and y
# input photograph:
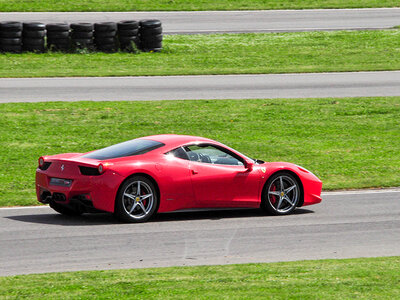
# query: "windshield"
{"type": "Point", "coordinates": [129, 148]}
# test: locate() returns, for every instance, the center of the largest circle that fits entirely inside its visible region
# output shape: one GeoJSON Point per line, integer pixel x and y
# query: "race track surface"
{"type": "Point", "coordinates": [235, 21]}
{"type": "Point", "coordinates": [344, 225]}
{"type": "Point", "coordinates": [312, 85]}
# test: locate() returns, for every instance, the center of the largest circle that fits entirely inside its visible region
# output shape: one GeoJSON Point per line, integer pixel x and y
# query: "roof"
{"type": "Point", "coordinates": [176, 139]}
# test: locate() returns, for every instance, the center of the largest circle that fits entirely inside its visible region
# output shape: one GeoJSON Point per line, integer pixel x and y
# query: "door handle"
{"type": "Point", "coordinates": [194, 172]}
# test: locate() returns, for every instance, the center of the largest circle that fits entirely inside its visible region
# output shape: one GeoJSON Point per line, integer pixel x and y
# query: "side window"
{"type": "Point", "coordinates": [211, 155]}
{"type": "Point", "coordinates": [179, 153]}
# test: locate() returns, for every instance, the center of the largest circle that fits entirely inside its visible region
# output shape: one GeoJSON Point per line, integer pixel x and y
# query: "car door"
{"type": "Point", "coordinates": [219, 177]}
{"type": "Point", "coordinates": [177, 186]}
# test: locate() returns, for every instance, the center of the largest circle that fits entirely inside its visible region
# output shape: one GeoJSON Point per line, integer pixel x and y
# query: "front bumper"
{"type": "Point", "coordinates": [312, 192]}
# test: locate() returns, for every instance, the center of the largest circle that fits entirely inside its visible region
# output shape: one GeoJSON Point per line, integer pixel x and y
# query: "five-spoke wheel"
{"type": "Point", "coordinates": [282, 194]}
{"type": "Point", "coordinates": [137, 200]}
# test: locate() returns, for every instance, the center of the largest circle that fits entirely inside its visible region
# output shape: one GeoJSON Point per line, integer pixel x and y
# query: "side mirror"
{"type": "Point", "coordinates": [248, 164]}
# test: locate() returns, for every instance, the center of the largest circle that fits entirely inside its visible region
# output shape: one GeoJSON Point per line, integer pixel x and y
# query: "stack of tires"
{"type": "Point", "coordinates": [58, 37]}
{"type": "Point", "coordinates": [128, 35]}
{"type": "Point", "coordinates": [105, 34]}
{"type": "Point", "coordinates": [33, 35]}
{"type": "Point", "coordinates": [150, 34]}
{"type": "Point", "coordinates": [82, 36]}
{"type": "Point", "coordinates": [10, 37]}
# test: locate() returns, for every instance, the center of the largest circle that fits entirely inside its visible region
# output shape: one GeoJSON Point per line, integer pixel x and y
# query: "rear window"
{"type": "Point", "coordinates": [129, 148]}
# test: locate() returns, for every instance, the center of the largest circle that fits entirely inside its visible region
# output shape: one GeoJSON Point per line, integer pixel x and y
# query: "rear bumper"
{"type": "Point", "coordinates": [98, 192]}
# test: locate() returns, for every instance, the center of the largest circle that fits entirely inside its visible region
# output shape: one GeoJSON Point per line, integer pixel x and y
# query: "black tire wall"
{"type": "Point", "coordinates": [127, 35]}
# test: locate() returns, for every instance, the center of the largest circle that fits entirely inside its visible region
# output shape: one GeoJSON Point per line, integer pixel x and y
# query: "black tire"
{"type": "Point", "coordinates": [104, 41]}
{"type": "Point", "coordinates": [82, 41]}
{"type": "Point", "coordinates": [150, 31]}
{"type": "Point", "coordinates": [57, 34]}
{"type": "Point", "coordinates": [10, 34]}
{"type": "Point", "coordinates": [11, 49]}
{"type": "Point", "coordinates": [10, 26]}
{"type": "Point", "coordinates": [128, 25]}
{"type": "Point", "coordinates": [34, 34]}
{"type": "Point", "coordinates": [105, 26]}
{"type": "Point", "coordinates": [123, 203]}
{"type": "Point", "coordinates": [58, 41]}
{"type": "Point", "coordinates": [10, 41]}
{"type": "Point", "coordinates": [64, 209]}
{"type": "Point", "coordinates": [32, 42]}
{"type": "Point", "coordinates": [128, 32]}
{"type": "Point", "coordinates": [150, 23]}
{"type": "Point", "coordinates": [33, 26]}
{"type": "Point", "coordinates": [107, 45]}
{"type": "Point", "coordinates": [152, 38]}
{"type": "Point", "coordinates": [57, 27]}
{"type": "Point", "coordinates": [145, 48]}
{"type": "Point", "coordinates": [151, 45]}
{"type": "Point", "coordinates": [124, 41]}
{"type": "Point", "coordinates": [81, 34]}
{"type": "Point", "coordinates": [270, 202]}
{"type": "Point", "coordinates": [105, 34]}
{"type": "Point", "coordinates": [82, 27]}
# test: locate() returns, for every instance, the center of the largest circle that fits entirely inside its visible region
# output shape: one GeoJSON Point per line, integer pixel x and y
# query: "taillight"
{"type": "Point", "coordinates": [41, 162]}
{"type": "Point", "coordinates": [43, 165]}
{"type": "Point", "coordinates": [100, 168]}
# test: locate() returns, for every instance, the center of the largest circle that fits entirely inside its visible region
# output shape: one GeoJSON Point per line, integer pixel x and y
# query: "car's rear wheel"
{"type": "Point", "coordinates": [64, 210]}
{"type": "Point", "coordinates": [282, 194]}
{"type": "Point", "coordinates": [137, 200]}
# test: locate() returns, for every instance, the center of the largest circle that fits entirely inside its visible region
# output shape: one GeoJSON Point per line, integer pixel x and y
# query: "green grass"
{"type": "Point", "coordinates": [225, 54]}
{"type": "Point", "coordinates": [361, 278]}
{"type": "Point", "coordinates": [348, 143]}
{"type": "Point", "coordinates": [171, 5]}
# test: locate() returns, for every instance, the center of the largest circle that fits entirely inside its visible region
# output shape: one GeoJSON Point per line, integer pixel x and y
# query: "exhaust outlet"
{"type": "Point", "coordinates": [59, 197]}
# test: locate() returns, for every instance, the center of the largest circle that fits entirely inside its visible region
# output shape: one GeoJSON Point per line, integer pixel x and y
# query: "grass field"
{"type": "Point", "coordinates": [171, 5]}
{"type": "Point", "coordinates": [362, 278]}
{"type": "Point", "coordinates": [225, 54]}
{"type": "Point", "coordinates": [348, 143]}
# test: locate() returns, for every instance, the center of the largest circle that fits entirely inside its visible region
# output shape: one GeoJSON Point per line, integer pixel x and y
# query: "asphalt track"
{"type": "Point", "coordinates": [310, 85]}
{"type": "Point", "coordinates": [344, 225]}
{"type": "Point", "coordinates": [235, 21]}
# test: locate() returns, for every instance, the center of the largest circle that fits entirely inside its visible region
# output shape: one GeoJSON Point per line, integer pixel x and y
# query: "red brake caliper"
{"type": "Point", "coordinates": [145, 200]}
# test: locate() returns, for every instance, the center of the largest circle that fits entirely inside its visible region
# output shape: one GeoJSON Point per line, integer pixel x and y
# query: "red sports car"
{"type": "Point", "coordinates": [160, 173]}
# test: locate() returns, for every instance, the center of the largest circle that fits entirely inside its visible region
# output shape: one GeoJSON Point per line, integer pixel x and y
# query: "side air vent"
{"type": "Point", "coordinates": [45, 166]}
{"type": "Point", "coordinates": [89, 171]}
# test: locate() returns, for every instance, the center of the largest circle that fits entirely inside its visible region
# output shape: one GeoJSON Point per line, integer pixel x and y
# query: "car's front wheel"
{"type": "Point", "coordinates": [282, 194]}
{"type": "Point", "coordinates": [137, 200]}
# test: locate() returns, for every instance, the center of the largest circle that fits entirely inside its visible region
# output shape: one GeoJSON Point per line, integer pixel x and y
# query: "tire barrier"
{"type": "Point", "coordinates": [33, 35]}
{"type": "Point", "coordinates": [129, 36]}
{"type": "Point", "coordinates": [11, 37]}
{"type": "Point", "coordinates": [82, 36]}
{"type": "Point", "coordinates": [58, 37]}
{"type": "Point", "coordinates": [150, 34]}
{"type": "Point", "coordinates": [105, 34]}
